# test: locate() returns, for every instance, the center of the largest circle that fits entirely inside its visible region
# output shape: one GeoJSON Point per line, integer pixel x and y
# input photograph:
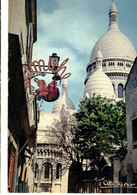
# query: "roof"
{"type": "Point", "coordinates": [46, 128]}
{"type": "Point", "coordinates": [63, 100]}
{"type": "Point", "coordinates": [99, 83]}
{"type": "Point", "coordinates": [113, 44]}
{"type": "Point", "coordinates": [113, 8]}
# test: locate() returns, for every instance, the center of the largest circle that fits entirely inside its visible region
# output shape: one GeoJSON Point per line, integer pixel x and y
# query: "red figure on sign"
{"type": "Point", "coordinates": [49, 93]}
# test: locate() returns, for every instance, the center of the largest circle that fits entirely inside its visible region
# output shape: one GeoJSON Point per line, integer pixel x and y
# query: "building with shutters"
{"type": "Point", "coordinates": [22, 109]}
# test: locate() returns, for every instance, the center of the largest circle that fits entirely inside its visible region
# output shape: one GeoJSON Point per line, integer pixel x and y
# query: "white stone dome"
{"type": "Point", "coordinates": [63, 100]}
{"type": "Point", "coordinates": [113, 44]}
{"type": "Point", "coordinates": [99, 83]}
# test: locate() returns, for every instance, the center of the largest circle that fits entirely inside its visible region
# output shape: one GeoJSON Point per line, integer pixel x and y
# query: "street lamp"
{"type": "Point", "coordinates": [54, 59]}
{"type": "Point", "coordinates": [56, 77]}
{"type": "Point", "coordinates": [54, 65]}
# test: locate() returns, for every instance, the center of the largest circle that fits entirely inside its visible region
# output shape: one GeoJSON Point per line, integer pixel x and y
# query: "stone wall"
{"type": "Point", "coordinates": [131, 114]}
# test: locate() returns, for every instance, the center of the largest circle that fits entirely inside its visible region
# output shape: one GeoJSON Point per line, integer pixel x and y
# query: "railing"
{"type": "Point", "coordinates": [97, 186]}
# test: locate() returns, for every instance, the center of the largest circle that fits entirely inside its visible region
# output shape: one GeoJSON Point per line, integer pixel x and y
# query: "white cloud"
{"type": "Point", "coordinates": [71, 29]}
{"type": "Point", "coordinates": [75, 66]}
{"type": "Point", "coordinates": [68, 25]}
{"type": "Point", "coordinates": [67, 32]}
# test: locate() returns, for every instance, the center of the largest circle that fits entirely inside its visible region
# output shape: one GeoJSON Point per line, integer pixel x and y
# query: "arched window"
{"type": "Point", "coordinates": [36, 170]}
{"type": "Point", "coordinates": [120, 91]}
{"type": "Point", "coordinates": [58, 171]}
{"type": "Point", "coordinates": [47, 170]}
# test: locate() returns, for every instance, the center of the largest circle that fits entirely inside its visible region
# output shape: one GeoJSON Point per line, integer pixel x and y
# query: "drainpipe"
{"type": "Point", "coordinates": [15, 169]}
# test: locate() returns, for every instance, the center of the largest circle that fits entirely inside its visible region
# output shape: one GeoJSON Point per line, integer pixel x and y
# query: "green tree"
{"type": "Point", "coordinates": [101, 128]}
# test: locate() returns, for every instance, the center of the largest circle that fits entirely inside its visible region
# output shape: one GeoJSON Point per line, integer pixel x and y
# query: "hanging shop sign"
{"type": "Point", "coordinates": [39, 66]}
{"type": "Point", "coordinates": [48, 93]}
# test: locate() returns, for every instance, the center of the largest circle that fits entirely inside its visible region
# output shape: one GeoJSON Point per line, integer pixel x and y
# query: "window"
{"type": "Point", "coordinates": [46, 174]}
{"type": "Point", "coordinates": [58, 171]}
{"type": "Point", "coordinates": [113, 18]}
{"type": "Point", "coordinates": [134, 129]}
{"type": "Point", "coordinates": [120, 91]}
{"type": "Point", "coordinates": [120, 64]}
{"type": "Point", "coordinates": [36, 170]}
{"type": "Point", "coordinates": [128, 65]}
{"type": "Point", "coordinates": [111, 63]}
{"type": "Point", "coordinates": [47, 170]}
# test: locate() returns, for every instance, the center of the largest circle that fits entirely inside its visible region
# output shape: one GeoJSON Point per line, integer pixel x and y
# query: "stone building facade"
{"type": "Point", "coordinates": [131, 117]}
{"type": "Point", "coordinates": [51, 161]}
{"type": "Point", "coordinates": [22, 109]}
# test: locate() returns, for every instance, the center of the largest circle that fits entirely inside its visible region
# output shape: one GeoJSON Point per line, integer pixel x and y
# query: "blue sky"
{"type": "Point", "coordinates": [71, 29]}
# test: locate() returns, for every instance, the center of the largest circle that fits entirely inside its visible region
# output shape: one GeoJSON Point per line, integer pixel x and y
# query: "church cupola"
{"type": "Point", "coordinates": [64, 87]}
{"type": "Point", "coordinates": [99, 60]}
{"type": "Point", "coordinates": [118, 56]}
{"type": "Point", "coordinates": [113, 17]}
{"type": "Point", "coordinates": [99, 83]}
{"type": "Point", "coordinates": [63, 100]}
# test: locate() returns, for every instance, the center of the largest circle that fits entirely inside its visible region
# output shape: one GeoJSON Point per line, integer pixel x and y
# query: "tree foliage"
{"type": "Point", "coordinates": [101, 129]}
